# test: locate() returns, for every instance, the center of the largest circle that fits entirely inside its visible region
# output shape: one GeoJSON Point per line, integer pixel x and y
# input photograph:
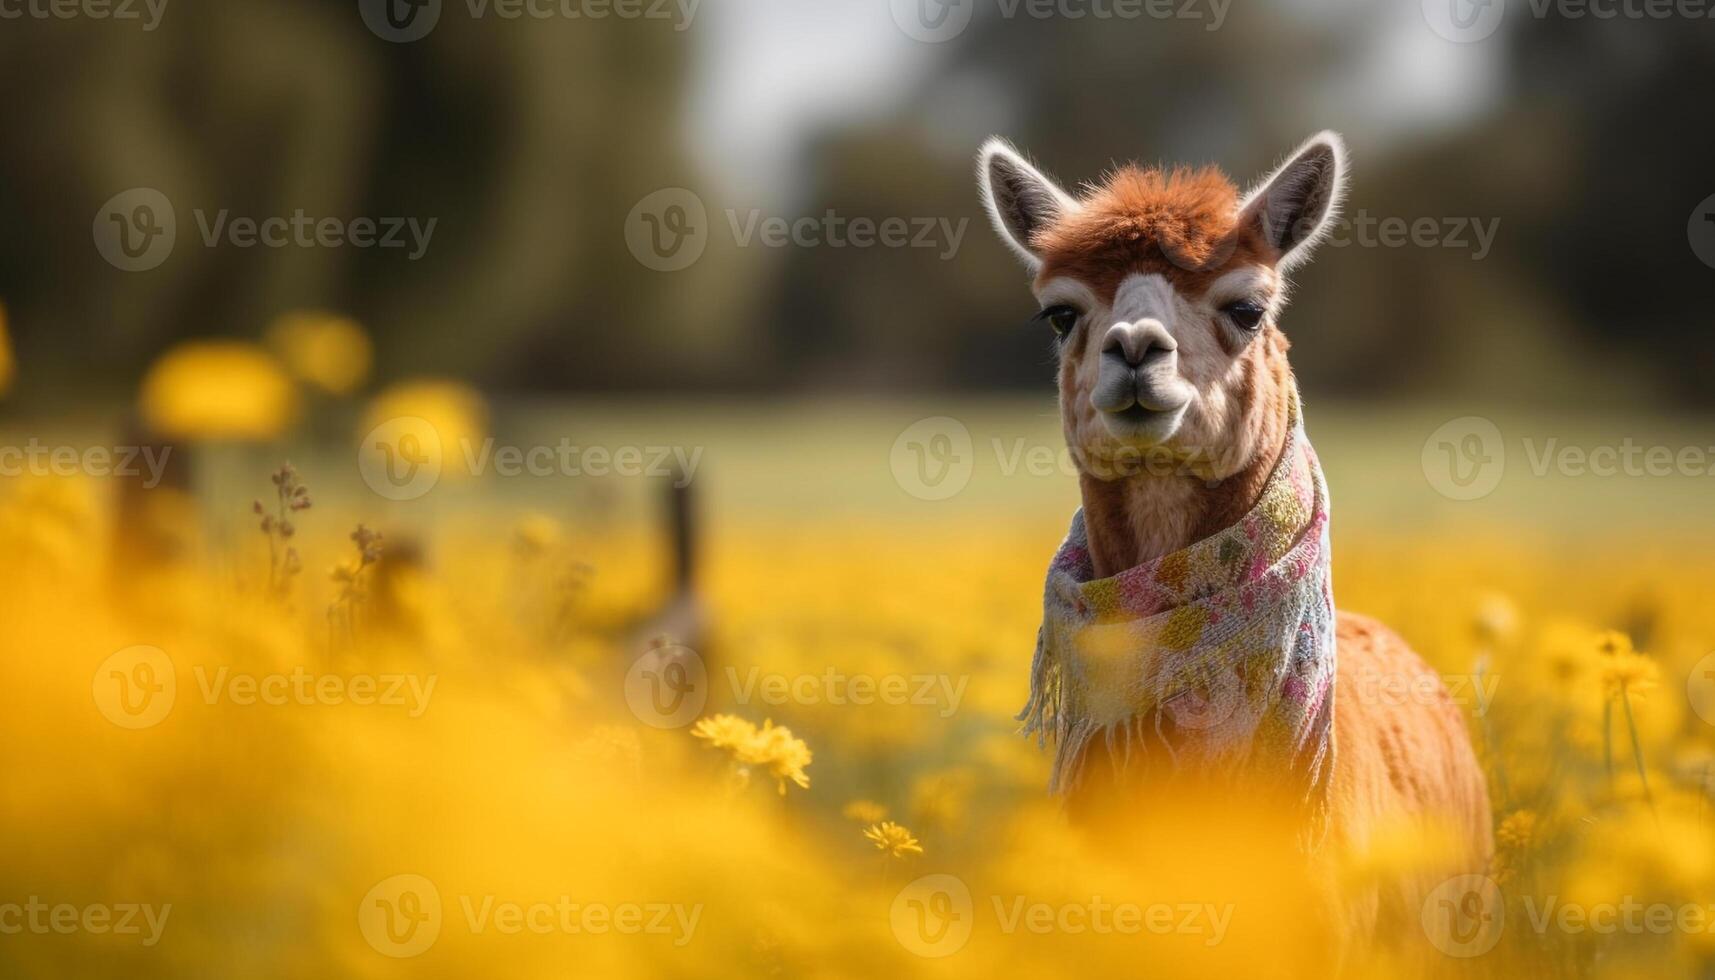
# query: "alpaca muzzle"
{"type": "Point", "coordinates": [1138, 374]}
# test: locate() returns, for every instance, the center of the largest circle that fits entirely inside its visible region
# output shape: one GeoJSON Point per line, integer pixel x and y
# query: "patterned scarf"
{"type": "Point", "coordinates": [1219, 658]}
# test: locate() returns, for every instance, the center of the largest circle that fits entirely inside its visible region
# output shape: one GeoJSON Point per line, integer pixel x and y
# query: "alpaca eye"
{"type": "Point", "coordinates": [1061, 318]}
{"type": "Point", "coordinates": [1246, 315]}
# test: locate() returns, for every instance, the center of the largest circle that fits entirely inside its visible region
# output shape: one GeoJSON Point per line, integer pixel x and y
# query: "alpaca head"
{"type": "Point", "coordinates": [1163, 290]}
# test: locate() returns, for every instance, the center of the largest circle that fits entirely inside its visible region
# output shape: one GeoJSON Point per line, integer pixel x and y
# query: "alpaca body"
{"type": "Point", "coordinates": [1165, 291]}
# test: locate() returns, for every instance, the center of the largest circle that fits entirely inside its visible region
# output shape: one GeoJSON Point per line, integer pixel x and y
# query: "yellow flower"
{"type": "Point", "coordinates": [771, 746]}
{"type": "Point", "coordinates": [326, 350]}
{"type": "Point", "coordinates": [784, 755]}
{"type": "Point", "coordinates": [724, 731]}
{"type": "Point", "coordinates": [8, 366]}
{"type": "Point", "coordinates": [1623, 669]}
{"type": "Point", "coordinates": [864, 811]}
{"type": "Point", "coordinates": [1613, 643]}
{"type": "Point", "coordinates": [892, 838]}
{"type": "Point", "coordinates": [218, 389]}
{"type": "Point", "coordinates": [445, 422]}
{"type": "Point", "coordinates": [1631, 673]}
{"type": "Point", "coordinates": [1497, 618]}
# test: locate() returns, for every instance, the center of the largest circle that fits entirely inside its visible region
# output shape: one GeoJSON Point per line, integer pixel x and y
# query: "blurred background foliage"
{"type": "Point", "coordinates": [531, 140]}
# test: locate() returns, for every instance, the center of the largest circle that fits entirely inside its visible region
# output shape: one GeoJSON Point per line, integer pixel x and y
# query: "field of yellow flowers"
{"type": "Point", "coordinates": [249, 728]}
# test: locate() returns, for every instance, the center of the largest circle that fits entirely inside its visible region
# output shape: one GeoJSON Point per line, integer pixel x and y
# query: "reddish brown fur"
{"type": "Point", "coordinates": [1180, 223]}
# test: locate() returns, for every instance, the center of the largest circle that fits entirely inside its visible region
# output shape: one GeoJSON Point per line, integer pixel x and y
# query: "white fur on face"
{"type": "Point", "coordinates": [1207, 367]}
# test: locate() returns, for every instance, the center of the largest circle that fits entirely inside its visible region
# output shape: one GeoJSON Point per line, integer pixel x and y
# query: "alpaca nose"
{"type": "Point", "coordinates": [1140, 342]}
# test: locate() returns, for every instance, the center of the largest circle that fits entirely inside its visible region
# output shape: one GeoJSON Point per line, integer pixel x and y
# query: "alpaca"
{"type": "Point", "coordinates": [1164, 291]}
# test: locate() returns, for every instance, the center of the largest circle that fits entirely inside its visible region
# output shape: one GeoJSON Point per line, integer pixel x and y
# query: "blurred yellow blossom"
{"type": "Point", "coordinates": [724, 731]}
{"type": "Point", "coordinates": [218, 389]}
{"type": "Point", "coordinates": [326, 350]}
{"type": "Point", "coordinates": [1623, 669]}
{"type": "Point", "coordinates": [527, 758]}
{"type": "Point", "coordinates": [446, 421]}
{"type": "Point", "coordinates": [771, 746]}
{"type": "Point", "coordinates": [1497, 618]}
{"type": "Point", "coordinates": [892, 838]}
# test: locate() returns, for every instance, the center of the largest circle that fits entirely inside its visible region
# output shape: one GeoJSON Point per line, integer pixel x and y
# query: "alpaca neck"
{"type": "Point", "coordinates": [1137, 519]}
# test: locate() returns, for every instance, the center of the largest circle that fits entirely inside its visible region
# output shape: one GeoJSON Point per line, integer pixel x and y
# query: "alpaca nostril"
{"type": "Point", "coordinates": [1140, 343]}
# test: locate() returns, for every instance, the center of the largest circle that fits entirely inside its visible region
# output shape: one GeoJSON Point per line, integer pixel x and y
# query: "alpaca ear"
{"type": "Point", "coordinates": [1021, 201]}
{"type": "Point", "coordinates": [1295, 206]}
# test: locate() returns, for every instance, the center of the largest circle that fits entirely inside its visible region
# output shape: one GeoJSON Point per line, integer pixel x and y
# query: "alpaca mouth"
{"type": "Point", "coordinates": [1141, 423]}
